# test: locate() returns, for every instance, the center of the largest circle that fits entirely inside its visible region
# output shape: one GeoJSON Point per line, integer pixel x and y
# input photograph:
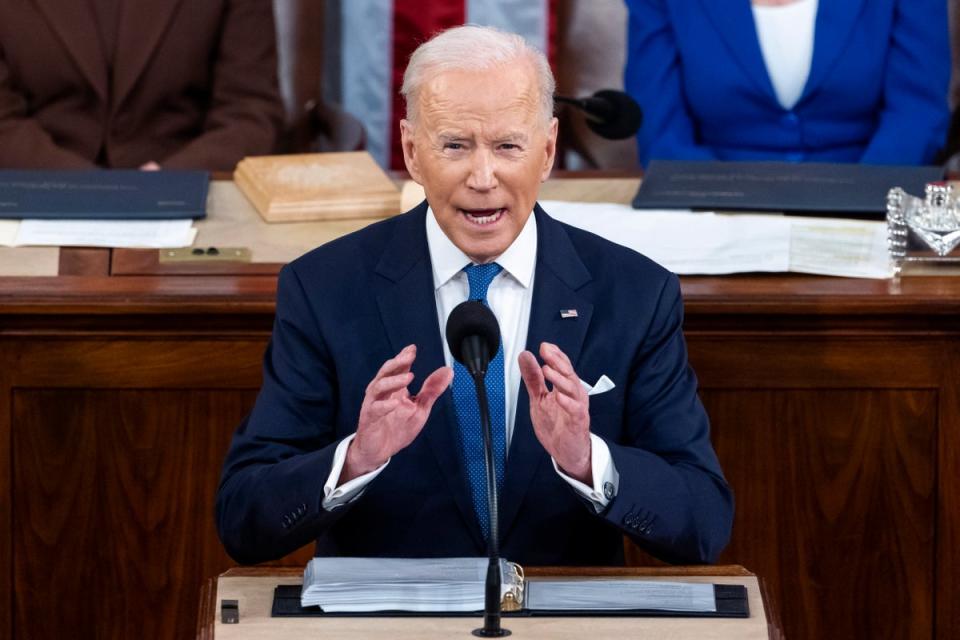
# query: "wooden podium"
{"type": "Point", "coordinates": [253, 588]}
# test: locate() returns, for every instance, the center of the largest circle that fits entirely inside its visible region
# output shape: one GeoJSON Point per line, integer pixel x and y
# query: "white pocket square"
{"type": "Point", "coordinates": [603, 385]}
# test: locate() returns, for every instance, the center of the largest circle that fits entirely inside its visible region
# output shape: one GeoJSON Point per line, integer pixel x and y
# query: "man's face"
{"type": "Point", "coordinates": [480, 148]}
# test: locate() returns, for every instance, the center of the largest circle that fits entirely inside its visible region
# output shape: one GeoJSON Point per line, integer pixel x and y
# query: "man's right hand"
{"type": "Point", "coordinates": [390, 418]}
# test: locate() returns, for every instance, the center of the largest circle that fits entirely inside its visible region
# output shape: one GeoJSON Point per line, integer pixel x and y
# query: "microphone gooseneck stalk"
{"type": "Point", "coordinates": [473, 336]}
{"type": "Point", "coordinates": [491, 610]}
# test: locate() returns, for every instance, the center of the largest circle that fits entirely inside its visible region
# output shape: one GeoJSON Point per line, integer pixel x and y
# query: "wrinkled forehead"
{"type": "Point", "coordinates": [506, 94]}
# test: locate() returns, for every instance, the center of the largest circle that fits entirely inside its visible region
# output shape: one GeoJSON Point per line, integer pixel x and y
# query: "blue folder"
{"type": "Point", "coordinates": [104, 194]}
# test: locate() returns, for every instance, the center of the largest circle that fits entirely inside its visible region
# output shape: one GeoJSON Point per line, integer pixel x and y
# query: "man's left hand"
{"type": "Point", "coordinates": [561, 417]}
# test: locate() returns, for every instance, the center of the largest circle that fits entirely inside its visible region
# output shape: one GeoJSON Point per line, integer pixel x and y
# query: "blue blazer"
{"type": "Point", "coordinates": [876, 93]}
{"type": "Point", "coordinates": [348, 306]}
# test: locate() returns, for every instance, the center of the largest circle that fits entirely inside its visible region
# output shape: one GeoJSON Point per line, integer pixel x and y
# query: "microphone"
{"type": "Point", "coordinates": [610, 113]}
{"type": "Point", "coordinates": [473, 335]}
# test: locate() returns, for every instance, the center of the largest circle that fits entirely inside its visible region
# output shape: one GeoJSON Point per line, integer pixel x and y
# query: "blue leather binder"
{"type": "Point", "coordinates": [105, 194]}
{"type": "Point", "coordinates": [817, 189]}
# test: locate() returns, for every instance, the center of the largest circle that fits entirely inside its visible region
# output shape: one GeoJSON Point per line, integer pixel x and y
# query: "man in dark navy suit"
{"type": "Point", "coordinates": [603, 435]}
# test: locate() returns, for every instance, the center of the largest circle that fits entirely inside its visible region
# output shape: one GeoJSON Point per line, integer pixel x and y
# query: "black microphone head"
{"type": "Point", "coordinates": [472, 318]}
{"type": "Point", "coordinates": [620, 119]}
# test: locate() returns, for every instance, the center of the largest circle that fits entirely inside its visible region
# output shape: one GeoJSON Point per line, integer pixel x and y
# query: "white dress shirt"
{"type": "Point", "coordinates": [786, 34]}
{"type": "Point", "coordinates": [509, 297]}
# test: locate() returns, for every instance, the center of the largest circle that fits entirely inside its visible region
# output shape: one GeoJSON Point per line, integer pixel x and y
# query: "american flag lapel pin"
{"type": "Point", "coordinates": [568, 313]}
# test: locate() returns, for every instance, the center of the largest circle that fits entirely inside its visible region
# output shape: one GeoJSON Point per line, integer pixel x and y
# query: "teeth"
{"type": "Point", "coordinates": [486, 219]}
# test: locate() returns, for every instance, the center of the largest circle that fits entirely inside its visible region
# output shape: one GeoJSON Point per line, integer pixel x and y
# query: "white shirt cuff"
{"type": "Point", "coordinates": [606, 479]}
{"type": "Point", "coordinates": [334, 496]}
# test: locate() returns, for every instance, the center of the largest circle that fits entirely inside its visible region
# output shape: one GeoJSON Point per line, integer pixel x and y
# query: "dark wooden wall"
{"type": "Point", "coordinates": [834, 406]}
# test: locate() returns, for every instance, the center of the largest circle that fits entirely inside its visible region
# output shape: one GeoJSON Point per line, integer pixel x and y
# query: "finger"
{"type": "Point", "coordinates": [381, 387]}
{"type": "Point", "coordinates": [556, 358]}
{"type": "Point", "coordinates": [435, 384]}
{"type": "Point", "coordinates": [564, 383]}
{"type": "Point", "coordinates": [399, 363]}
{"type": "Point", "coordinates": [532, 375]}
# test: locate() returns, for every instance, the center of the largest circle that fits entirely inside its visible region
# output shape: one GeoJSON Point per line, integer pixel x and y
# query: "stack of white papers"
{"type": "Point", "coordinates": [143, 234]}
{"type": "Point", "coordinates": [340, 585]}
{"type": "Point", "coordinates": [620, 595]}
{"type": "Point", "coordinates": [707, 243]}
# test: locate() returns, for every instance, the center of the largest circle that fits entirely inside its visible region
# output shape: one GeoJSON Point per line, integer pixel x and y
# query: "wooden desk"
{"type": "Point", "coordinates": [253, 589]}
{"type": "Point", "coordinates": [835, 407]}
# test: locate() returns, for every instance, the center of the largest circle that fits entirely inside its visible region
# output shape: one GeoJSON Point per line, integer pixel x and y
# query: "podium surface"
{"type": "Point", "coordinates": [253, 588]}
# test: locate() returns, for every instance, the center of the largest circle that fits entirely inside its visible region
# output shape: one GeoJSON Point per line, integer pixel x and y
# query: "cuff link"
{"type": "Point", "coordinates": [608, 491]}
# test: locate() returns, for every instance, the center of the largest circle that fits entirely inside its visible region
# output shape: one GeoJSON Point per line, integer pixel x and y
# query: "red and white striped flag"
{"type": "Point", "coordinates": [378, 36]}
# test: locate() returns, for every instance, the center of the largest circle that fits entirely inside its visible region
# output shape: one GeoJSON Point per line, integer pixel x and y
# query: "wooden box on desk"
{"type": "Point", "coordinates": [317, 186]}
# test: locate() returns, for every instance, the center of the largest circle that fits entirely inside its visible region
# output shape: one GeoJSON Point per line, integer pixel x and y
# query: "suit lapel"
{"type": "Point", "coordinates": [408, 309]}
{"type": "Point", "coordinates": [559, 275]}
{"type": "Point", "coordinates": [834, 22]}
{"type": "Point", "coordinates": [733, 20]}
{"type": "Point", "coordinates": [142, 24]}
{"type": "Point", "coordinates": [73, 22]}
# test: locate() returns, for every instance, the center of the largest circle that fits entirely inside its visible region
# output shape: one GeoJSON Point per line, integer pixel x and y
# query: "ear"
{"type": "Point", "coordinates": [407, 134]}
{"type": "Point", "coordinates": [550, 152]}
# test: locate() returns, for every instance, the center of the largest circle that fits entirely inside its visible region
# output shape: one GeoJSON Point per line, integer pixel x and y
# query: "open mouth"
{"type": "Point", "coordinates": [483, 216]}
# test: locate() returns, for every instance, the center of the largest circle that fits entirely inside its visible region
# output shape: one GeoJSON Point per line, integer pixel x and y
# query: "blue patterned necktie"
{"type": "Point", "coordinates": [468, 410]}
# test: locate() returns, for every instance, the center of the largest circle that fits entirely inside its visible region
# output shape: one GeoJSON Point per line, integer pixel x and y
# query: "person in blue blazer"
{"type": "Point", "coordinates": [363, 438]}
{"type": "Point", "coordinates": [875, 91]}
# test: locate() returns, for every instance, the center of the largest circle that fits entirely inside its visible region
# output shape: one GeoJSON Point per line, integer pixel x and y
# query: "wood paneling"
{"type": "Point", "coordinates": [843, 526]}
{"type": "Point", "coordinates": [6, 498]}
{"type": "Point", "coordinates": [835, 407]}
{"type": "Point", "coordinates": [947, 595]}
{"type": "Point", "coordinates": [84, 261]}
{"type": "Point", "coordinates": [118, 526]}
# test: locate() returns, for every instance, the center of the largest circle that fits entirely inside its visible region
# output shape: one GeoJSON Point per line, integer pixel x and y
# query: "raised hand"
{"type": "Point", "coordinates": [390, 418]}
{"type": "Point", "coordinates": [561, 417]}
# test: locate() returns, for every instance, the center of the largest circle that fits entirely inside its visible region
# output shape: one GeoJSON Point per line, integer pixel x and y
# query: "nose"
{"type": "Point", "coordinates": [483, 174]}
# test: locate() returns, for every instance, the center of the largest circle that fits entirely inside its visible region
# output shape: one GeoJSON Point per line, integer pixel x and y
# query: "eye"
{"type": "Point", "coordinates": [509, 146]}
{"type": "Point", "coordinates": [453, 146]}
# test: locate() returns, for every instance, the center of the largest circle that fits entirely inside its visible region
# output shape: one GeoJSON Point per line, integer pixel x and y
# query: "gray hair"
{"type": "Point", "coordinates": [474, 48]}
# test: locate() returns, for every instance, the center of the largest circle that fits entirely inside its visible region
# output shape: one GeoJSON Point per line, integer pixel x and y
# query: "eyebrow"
{"type": "Point", "coordinates": [513, 136]}
{"type": "Point", "coordinates": [447, 136]}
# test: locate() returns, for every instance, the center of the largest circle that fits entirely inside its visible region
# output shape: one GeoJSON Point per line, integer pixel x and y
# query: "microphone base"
{"type": "Point", "coordinates": [495, 633]}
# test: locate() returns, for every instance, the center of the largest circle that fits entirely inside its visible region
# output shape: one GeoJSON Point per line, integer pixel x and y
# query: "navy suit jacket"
{"type": "Point", "coordinates": [876, 93]}
{"type": "Point", "coordinates": [346, 307]}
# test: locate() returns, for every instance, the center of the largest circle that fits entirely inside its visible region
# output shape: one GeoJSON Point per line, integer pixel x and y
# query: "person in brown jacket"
{"type": "Point", "coordinates": [137, 83]}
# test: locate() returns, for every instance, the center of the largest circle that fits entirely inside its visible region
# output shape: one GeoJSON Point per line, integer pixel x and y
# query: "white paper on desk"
{"type": "Point", "coordinates": [138, 234]}
{"type": "Point", "coordinates": [612, 595]}
{"type": "Point", "coordinates": [8, 232]}
{"type": "Point", "coordinates": [851, 248]}
{"type": "Point", "coordinates": [686, 242]}
{"type": "Point", "coordinates": [343, 584]}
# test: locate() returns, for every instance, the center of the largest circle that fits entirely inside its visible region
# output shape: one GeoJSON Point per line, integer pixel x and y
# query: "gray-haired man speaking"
{"type": "Point", "coordinates": [363, 438]}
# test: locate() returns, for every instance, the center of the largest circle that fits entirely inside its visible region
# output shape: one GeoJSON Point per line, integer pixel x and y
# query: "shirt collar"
{"type": "Point", "coordinates": [448, 260]}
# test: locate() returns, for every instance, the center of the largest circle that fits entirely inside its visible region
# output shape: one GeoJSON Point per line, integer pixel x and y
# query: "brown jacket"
{"type": "Point", "coordinates": [194, 84]}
